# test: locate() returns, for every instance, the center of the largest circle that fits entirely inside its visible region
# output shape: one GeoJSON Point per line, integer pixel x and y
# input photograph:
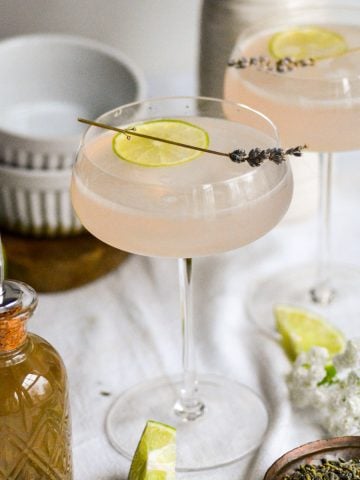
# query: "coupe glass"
{"type": "Point", "coordinates": [206, 206]}
{"type": "Point", "coordinates": [318, 106]}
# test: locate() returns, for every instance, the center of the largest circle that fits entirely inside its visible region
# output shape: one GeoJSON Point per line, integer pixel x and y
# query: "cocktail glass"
{"type": "Point", "coordinates": [318, 106]}
{"type": "Point", "coordinates": [206, 206]}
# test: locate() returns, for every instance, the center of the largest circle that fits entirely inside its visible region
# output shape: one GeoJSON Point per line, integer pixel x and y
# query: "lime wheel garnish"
{"type": "Point", "coordinates": [307, 42]}
{"type": "Point", "coordinates": [155, 153]}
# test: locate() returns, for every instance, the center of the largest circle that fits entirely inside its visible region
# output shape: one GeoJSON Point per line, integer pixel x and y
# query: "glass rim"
{"type": "Point", "coordinates": [235, 178]}
{"type": "Point", "coordinates": [184, 97]}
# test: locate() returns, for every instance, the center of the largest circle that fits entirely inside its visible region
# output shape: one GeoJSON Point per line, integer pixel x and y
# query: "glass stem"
{"type": "Point", "coordinates": [322, 292]}
{"type": "Point", "coordinates": [188, 406]}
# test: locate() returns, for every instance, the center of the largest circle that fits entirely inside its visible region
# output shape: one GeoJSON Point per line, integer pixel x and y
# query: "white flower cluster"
{"type": "Point", "coordinates": [332, 387]}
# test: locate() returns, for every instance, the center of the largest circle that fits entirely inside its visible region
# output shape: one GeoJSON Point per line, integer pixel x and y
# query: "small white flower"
{"type": "Point", "coordinates": [350, 358]}
{"type": "Point", "coordinates": [333, 389]}
{"type": "Point", "coordinates": [320, 397]}
{"type": "Point", "coordinates": [308, 371]}
{"type": "Point", "coordinates": [353, 379]}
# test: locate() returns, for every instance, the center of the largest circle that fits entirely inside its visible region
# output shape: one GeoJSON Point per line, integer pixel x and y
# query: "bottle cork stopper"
{"type": "Point", "coordinates": [17, 302]}
{"type": "Point", "coordinates": [12, 330]}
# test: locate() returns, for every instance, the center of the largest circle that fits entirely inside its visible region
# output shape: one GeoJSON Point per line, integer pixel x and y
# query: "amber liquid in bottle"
{"type": "Point", "coordinates": [34, 410]}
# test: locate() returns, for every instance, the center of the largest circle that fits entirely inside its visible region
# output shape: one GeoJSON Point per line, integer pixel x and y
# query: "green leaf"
{"type": "Point", "coordinates": [330, 375]}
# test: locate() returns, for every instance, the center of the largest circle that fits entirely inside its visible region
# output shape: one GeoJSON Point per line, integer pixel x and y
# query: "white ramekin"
{"type": "Point", "coordinates": [49, 80]}
{"type": "Point", "coordinates": [37, 202]}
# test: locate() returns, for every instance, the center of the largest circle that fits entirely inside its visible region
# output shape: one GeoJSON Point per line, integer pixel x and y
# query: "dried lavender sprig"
{"type": "Point", "coordinates": [285, 64]}
{"type": "Point", "coordinates": [282, 65]}
{"type": "Point", "coordinates": [255, 157]}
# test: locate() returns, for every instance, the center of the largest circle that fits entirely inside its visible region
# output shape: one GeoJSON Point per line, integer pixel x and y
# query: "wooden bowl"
{"type": "Point", "coordinates": [51, 265]}
{"type": "Point", "coordinates": [345, 447]}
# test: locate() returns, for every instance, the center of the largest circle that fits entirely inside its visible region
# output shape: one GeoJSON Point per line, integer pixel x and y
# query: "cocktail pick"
{"type": "Point", "coordinates": [254, 157]}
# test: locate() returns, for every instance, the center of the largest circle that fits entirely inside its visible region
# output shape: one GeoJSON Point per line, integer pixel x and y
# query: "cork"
{"type": "Point", "coordinates": [12, 330]}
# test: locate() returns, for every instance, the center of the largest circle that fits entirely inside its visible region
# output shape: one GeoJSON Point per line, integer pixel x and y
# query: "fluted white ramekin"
{"type": "Point", "coordinates": [37, 202]}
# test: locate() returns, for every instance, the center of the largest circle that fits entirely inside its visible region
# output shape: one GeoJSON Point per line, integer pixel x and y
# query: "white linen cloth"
{"type": "Point", "coordinates": [125, 328]}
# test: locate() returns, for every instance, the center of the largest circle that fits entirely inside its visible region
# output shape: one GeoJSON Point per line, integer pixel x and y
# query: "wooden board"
{"type": "Point", "coordinates": [51, 265]}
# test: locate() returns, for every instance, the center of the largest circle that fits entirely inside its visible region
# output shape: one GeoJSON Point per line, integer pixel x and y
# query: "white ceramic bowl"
{"type": "Point", "coordinates": [47, 81]}
{"type": "Point", "coordinates": [37, 202]}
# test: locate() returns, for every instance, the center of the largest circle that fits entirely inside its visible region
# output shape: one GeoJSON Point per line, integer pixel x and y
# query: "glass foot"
{"type": "Point", "coordinates": [233, 424]}
{"type": "Point", "coordinates": [295, 286]}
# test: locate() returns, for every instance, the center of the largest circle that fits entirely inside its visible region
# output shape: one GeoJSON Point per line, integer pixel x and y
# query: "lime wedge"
{"type": "Point", "coordinates": [154, 153]}
{"type": "Point", "coordinates": [307, 42]}
{"type": "Point", "coordinates": [155, 455]}
{"type": "Point", "coordinates": [301, 330]}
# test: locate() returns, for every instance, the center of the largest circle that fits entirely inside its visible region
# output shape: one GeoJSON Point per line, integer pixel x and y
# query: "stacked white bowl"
{"type": "Point", "coordinates": [47, 81]}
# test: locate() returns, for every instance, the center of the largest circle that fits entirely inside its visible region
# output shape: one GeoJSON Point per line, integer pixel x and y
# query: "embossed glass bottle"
{"type": "Point", "coordinates": [34, 411]}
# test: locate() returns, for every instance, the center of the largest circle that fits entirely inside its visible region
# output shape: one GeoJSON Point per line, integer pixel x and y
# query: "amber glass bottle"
{"type": "Point", "coordinates": [34, 410]}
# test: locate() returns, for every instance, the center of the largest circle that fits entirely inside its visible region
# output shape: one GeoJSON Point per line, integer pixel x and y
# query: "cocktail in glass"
{"type": "Point", "coordinates": [317, 105]}
{"type": "Point", "coordinates": [205, 206]}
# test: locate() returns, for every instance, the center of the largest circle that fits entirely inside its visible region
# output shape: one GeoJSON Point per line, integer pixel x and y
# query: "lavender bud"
{"type": "Point", "coordinates": [238, 156]}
